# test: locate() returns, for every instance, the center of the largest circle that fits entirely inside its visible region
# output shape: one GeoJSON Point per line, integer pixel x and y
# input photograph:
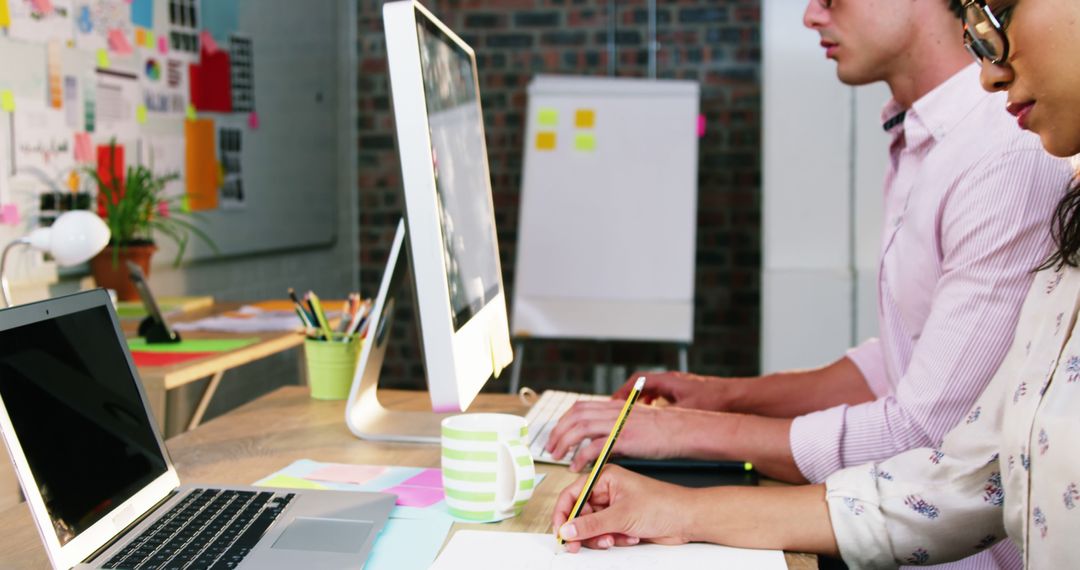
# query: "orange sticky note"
{"type": "Point", "coordinates": [140, 36]}
{"type": "Point", "coordinates": [202, 173]}
{"type": "Point", "coordinates": [585, 118]}
{"type": "Point", "coordinates": [545, 140]}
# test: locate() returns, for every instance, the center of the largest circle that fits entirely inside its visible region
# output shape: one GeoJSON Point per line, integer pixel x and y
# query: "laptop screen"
{"type": "Point", "coordinates": [78, 416]}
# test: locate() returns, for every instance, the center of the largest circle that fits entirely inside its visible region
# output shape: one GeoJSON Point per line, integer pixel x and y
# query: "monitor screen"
{"type": "Point", "coordinates": [78, 416]}
{"type": "Point", "coordinates": [461, 177]}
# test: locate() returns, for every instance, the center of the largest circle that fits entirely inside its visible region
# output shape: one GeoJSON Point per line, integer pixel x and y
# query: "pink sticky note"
{"type": "Point", "coordinates": [163, 45]}
{"type": "Point", "coordinates": [416, 496]}
{"type": "Point", "coordinates": [119, 43]}
{"type": "Point", "coordinates": [430, 478]}
{"type": "Point", "coordinates": [253, 120]}
{"type": "Point", "coordinates": [209, 45]}
{"type": "Point", "coordinates": [700, 126]}
{"type": "Point", "coordinates": [84, 148]}
{"type": "Point", "coordinates": [350, 474]}
{"type": "Point", "coordinates": [9, 214]}
{"type": "Point", "coordinates": [43, 6]}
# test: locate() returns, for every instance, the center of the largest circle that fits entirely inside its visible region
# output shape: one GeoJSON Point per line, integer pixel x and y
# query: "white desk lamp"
{"type": "Point", "coordinates": [73, 238]}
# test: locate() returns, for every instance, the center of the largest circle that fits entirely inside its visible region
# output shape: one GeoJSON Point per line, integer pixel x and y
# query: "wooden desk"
{"type": "Point", "coordinates": [267, 434]}
{"type": "Point", "coordinates": [158, 380]}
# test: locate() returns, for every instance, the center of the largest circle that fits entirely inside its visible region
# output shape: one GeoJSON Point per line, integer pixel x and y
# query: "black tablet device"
{"type": "Point", "coordinates": [692, 473]}
{"type": "Point", "coordinates": [154, 327]}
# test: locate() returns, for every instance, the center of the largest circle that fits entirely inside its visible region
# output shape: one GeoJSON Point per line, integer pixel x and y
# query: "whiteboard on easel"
{"type": "Point", "coordinates": [606, 242]}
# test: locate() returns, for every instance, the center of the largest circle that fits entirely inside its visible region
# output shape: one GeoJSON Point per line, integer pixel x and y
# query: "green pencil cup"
{"type": "Point", "coordinates": [330, 366]}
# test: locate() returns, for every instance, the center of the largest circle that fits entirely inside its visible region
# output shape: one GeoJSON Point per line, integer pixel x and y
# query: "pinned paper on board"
{"type": "Point", "coordinates": [230, 148]}
{"type": "Point", "coordinates": [110, 169]}
{"type": "Point", "coordinates": [183, 28]}
{"type": "Point", "coordinates": [149, 41]}
{"type": "Point", "coordinates": [545, 141]}
{"type": "Point", "coordinates": [40, 21]}
{"type": "Point", "coordinates": [7, 101]}
{"type": "Point", "coordinates": [5, 14]}
{"type": "Point", "coordinates": [71, 103]}
{"type": "Point", "coordinates": [164, 154]}
{"type": "Point", "coordinates": [84, 148]}
{"type": "Point", "coordinates": [219, 18]}
{"type": "Point", "coordinates": [9, 215]}
{"type": "Point", "coordinates": [201, 166]}
{"type": "Point", "coordinates": [140, 114]}
{"type": "Point", "coordinates": [119, 42]}
{"type": "Point", "coordinates": [211, 81]}
{"type": "Point", "coordinates": [42, 140]}
{"type": "Point", "coordinates": [253, 121]}
{"type": "Point", "coordinates": [585, 142]}
{"type": "Point", "coordinates": [103, 59]}
{"type": "Point", "coordinates": [142, 12]}
{"type": "Point", "coordinates": [162, 45]}
{"type": "Point", "coordinates": [547, 117]}
{"type": "Point", "coordinates": [52, 67]}
{"type": "Point", "coordinates": [116, 101]}
{"type": "Point", "coordinates": [585, 118]}
{"type": "Point", "coordinates": [165, 85]}
{"type": "Point", "coordinates": [140, 36]}
{"type": "Point", "coordinates": [99, 24]}
{"type": "Point", "coordinates": [242, 69]}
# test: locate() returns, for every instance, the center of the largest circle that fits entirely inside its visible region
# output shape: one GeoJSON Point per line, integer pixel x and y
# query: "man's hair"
{"type": "Point", "coordinates": [957, 7]}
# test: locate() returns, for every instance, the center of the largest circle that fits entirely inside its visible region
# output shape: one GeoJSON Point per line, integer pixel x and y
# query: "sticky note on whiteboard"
{"type": "Point", "coordinates": [548, 117]}
{"type": "Point", "coordinates": [585, 142]}
{"type": "Point", "coordinates": [585, 118]}
{"type": "Point", "coordinates": [7, 100]}
{"type": "Point", "coordinates": [545, 140]}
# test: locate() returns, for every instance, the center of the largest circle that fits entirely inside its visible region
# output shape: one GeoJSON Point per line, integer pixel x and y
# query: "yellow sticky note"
{"type": "Point", "coordinates": [191, 112]}
{"type": "Point", "coordinates": [140, 114]}
{"type": "Point", "coordinates": [103, 59]}
{"type": "Point", "coordinates": [150, 40]}
{"type": "Point", "coordinates": [548, 117]}
{"type": "Point", "coordinates": [545, 141]}
{"type": "Point", "coordinates": [290, 482]}
{"type": "Point", "coordinates": [585, 119]}
{"type": "Point", "coordinates": [140, 36]}
{"type": "Point", "coordinates": [5, 15]}
{"type": "Point", "coordinates": [7, 100]}
{"type": "Point", "coordinates": [585, 142]}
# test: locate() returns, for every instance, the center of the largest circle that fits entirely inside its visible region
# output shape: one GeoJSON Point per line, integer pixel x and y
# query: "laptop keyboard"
{"type": "Point", "coordinates": [209, 529]}
{"type": "Point", "coordinates": [544, 415]}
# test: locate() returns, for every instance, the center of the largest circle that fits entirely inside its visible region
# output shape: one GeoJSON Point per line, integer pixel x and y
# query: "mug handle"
{"type": "Point", "coordinates": [524, 474]}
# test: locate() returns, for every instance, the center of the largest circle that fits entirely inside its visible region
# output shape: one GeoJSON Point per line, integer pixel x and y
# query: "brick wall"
{"type": "Point", "coordinates": [716, 43]}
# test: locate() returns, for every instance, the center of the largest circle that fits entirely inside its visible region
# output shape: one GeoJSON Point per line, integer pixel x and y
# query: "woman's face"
{"type": "Point", "coordinates": [1042, 72]}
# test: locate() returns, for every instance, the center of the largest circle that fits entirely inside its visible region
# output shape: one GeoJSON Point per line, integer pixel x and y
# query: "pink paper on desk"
{"type": "Point", "coordinates": [430, 478]}
{"type": "Point", "coordinates": [351, 474]}
{"type": "Point", "coordinates": [416, 496]}
{"type": "Point", "coordinates": [119, 43]}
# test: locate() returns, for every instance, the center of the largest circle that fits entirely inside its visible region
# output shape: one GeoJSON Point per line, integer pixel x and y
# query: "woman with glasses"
{"type": "Point", "coordinates": [1009, 471]}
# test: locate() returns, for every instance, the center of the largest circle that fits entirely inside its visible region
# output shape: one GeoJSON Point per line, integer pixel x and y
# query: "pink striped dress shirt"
{"type": "Point", "coordinates": [968, 199]}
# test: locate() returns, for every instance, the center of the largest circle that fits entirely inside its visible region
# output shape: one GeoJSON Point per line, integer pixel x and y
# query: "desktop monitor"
{"type": "Point", "coordinates": [449, 230]}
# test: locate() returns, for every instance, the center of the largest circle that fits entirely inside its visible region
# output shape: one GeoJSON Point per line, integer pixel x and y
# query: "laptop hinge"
{"type": "Point", "coordinates": [123, 533]}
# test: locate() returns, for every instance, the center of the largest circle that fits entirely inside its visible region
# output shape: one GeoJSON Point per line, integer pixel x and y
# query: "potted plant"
{"type": "Point", "coordinates": [135, 208]}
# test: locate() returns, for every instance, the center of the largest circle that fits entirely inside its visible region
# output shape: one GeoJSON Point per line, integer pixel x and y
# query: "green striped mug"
{"type": "Point", "coordinates": [488, 472]}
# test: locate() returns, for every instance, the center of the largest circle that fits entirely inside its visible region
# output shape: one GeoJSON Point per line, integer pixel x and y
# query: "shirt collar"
{"type": "Point", "coordinates": [944, 107]}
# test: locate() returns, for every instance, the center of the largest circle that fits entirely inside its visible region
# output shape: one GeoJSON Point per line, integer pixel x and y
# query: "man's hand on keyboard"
{"type": "Point", "coordinates": [685, 390]}
{"type": "Point", "coordinates": [649, 432]}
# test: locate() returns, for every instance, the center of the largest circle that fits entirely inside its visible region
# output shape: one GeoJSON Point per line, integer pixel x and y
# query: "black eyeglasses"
{"type": "Point", "coordinates": [984, 32]}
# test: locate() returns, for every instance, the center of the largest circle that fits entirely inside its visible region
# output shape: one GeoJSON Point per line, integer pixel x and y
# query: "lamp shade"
{"type": "Point", "coordinates": [74, 237]}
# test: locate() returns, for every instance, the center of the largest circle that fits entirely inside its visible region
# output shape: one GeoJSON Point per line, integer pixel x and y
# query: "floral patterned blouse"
{"type": "Point", "coordinates": [1010, 470]}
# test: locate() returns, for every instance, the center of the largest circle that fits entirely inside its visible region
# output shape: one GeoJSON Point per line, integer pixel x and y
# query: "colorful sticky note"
{"type": "Point", "coordinates": [350, 474]}
{"type": "Point", "coordinates": [253, 120]}
{"type": "Point", "coordinates": [408, 542]}
{"type": "Point", "coordinates": [416, 496]}
{"type": "Point", "coordinates": [427, 478]}
{"type": "Point", "coordinates": [289, 482]}
{"type": "Point", "coordinates": [163, 45]}
{"type": "Point", "coordinates": [192, 345]}
{"type": "Point", "coordinates": [585, 142]}
{"type": "Point", "coordinates": [585, 119]}
{"type": "Point", "coordinates": [84, 148]}
{"type": "Point", "coordinates": [118, 42]}
{"type": "Point", "coordinates": [210, 81]}
{"type": "Point", "coordinates": [9, 214]}
{"type": "Point", "coordinates": [220, 19]}
{"type": "Point", "coordinates": [207, 42]}
{"type": "Point", "coordinates": [190, 112]}
{"type": "Point", "coordinates": [42, 6]}
{"type": "Point", "coordinates": [142, 13]}
{"type": "Point", "coordinates": [140, 114]}
{"type": "Point", "coordinates": [150, 40]}
{"type": "Point", "coordinates": [202, 174]}
{"type": "Point", "coordinates": [545, 140]}
{"type": "Point", "coordinates": [110, 169]}
{"type": "Point", "coordinates": [547, 117]}
{"type": "Point", "coordinates": [73, 181]}
{"type": "Point", "coordinates": [140, 36]}
{"type": "Point", "coordinates": [103, 59]}
{"type": "Point", "coordinates": [7, 100]}
{"type": "Point", "coordinates": [148, 359]}
{"type": "Point", "coordinates": [5, 14]}
{"type": "Point", "coordinates": [700, 126]}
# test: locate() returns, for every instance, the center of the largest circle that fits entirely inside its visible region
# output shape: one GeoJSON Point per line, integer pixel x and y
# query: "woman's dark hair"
{"type": "Point", "coordinates": [957, 7]}
{"type": "Point", "coordinates": [1065, 229]}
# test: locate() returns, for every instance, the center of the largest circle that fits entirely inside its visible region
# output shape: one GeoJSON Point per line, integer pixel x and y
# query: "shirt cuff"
{"type": "Point", "coordinates": [869, 358]}
{"type": "Point", "coordinates": [858, 523]}
{"type": "Point", "coordinates": [815, 442]}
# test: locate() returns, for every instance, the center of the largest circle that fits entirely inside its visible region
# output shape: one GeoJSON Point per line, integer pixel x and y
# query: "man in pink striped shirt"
{"type": "Point", "coordinates": [968, 199]}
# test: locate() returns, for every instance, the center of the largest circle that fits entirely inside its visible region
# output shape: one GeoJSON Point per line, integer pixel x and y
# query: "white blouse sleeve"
{"type": "Point", "coordinates": [927, 506]}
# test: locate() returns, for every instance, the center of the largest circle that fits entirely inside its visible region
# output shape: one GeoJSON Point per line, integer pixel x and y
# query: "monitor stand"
{"type": "Point", "coordinates": [365, 414]}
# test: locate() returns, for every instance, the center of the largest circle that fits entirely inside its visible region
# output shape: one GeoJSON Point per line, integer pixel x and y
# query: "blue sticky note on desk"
{"type": "Point", "coordinates": [408, 543]}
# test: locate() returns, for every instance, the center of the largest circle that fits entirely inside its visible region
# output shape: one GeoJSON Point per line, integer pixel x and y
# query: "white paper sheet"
{"type": "Point", "coordinates": [164, 154]}
{"type": "Point", "coordinates": [481, 550]}
{"type": "Point", "coordinates": [31, 25]}
{"type": "Point", "coordinates": [94, 19]}
{"type": "Point", "coordinates": [117, 97]}
{"type": "Point", "coordinates": [43, 141]}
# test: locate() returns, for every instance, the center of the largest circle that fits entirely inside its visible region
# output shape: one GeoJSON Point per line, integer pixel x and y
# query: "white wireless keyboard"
{"type": "Point", "coordinates": [542, 418]}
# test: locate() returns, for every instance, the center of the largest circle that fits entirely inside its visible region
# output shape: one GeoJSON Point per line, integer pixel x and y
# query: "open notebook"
{"type": "Point", "coordinates": [488, 550]}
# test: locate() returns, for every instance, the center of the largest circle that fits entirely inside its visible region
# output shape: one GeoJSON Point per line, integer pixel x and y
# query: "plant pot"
{"type": "Point", "coordinates": [116, 277]}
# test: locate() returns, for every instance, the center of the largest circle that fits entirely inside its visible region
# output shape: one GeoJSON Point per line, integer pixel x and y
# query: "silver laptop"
{"type": "Point", "coordinates": [98, 479]}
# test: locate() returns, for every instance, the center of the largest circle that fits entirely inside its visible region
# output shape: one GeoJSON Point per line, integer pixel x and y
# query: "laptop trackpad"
{"type": "Point", "coordinates": [325, 535]}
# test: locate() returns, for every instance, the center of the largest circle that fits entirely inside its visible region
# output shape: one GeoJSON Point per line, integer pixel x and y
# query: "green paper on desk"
{"type": "Point", "coordinates": [193, 345]}
{"type": "Point", "coordinates": [290, 482]}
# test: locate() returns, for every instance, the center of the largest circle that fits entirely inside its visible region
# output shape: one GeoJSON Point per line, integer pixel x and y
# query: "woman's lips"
{"type": "Point", "coordinates": [1021, 112]}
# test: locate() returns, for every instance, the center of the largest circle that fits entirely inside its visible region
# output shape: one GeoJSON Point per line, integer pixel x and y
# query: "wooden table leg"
{"type": "Point", "coordinates": [204, 402]}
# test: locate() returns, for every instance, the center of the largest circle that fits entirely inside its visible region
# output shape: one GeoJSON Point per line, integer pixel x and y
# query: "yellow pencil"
{"type": "Point", "coordinates": [606, 452]}
{"type": "Point", "coordinates": [320, 316]}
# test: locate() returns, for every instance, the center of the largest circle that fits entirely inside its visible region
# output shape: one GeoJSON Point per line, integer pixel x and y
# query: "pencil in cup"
{"type": "Point", "coordinates": [605, 453]}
